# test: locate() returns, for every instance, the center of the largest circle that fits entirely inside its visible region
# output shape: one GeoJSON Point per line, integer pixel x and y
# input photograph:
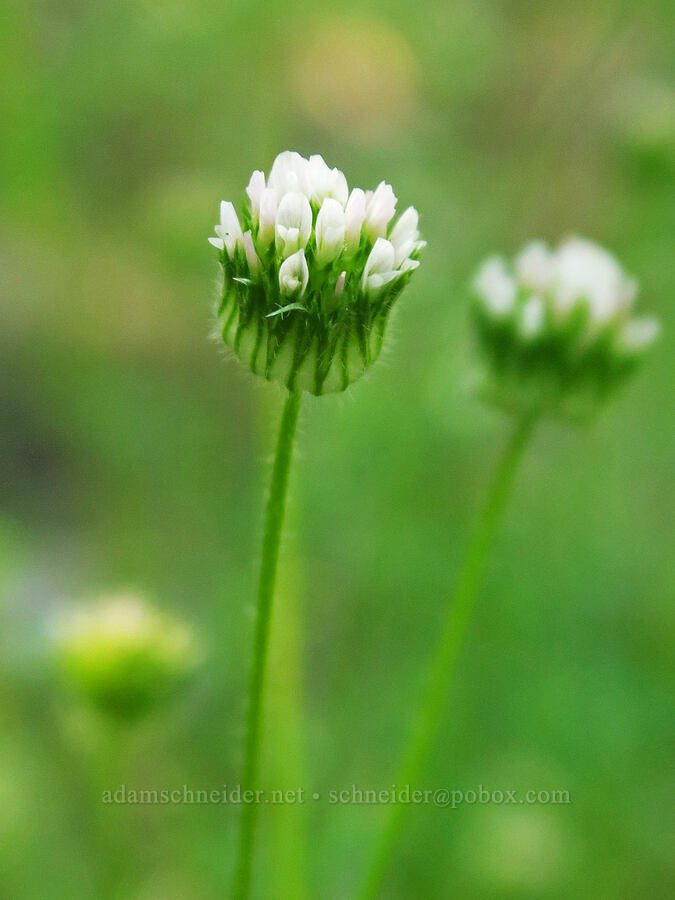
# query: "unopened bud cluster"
{"type": "Point", "coordinates": [122, 655]}
{"type": "Point", "coordinates": [311, 273]}
{"type": "Point", "coordinates": [557, 328]}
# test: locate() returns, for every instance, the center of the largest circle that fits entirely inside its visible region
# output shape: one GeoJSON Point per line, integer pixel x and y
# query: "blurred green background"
{"type": "Point", "coordinates": [134, 455]}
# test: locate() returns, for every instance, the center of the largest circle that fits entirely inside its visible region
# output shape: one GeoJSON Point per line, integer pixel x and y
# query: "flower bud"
{"type": "Point", "coordinates": [123, 656]}
{"type": "Point", "coordinates": [294, 275]}
{"type": "Point", "coordinates": [289, 174]}
{"type": "Point", "coordinates": [251, 255]}
{"type": "Point", "coordinates": [268, 217]}
{"type": "Point", "coordinates": [325, 182]}
{"type": "Point", "coordinates": [380, 209]}
{"type": "Point", "coordinates": [556, 330]}
{"type": "Point", "coordinates": [405, 236]}
{"type": "Point", "coordinates": [229, 229]}
{"type": "Point", "coordinates": [255, 189]}
{"type": "Point", "coordinates": [380, 265]}
{"type": "Point", "coordinates": [330, 231]}
{"type": "Point", "coordinates": [311, 311]}
{"type": "Point", "coordinates": [294, 223]}
{"type": "Point", "coordinates": [355, 213]}
{"type": "Point", "coordinates": [406, 227]}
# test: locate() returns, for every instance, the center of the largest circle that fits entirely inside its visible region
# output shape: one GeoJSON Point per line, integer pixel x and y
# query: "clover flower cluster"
{"type": "Point", "coordinates": [122, 655]}
{"type": "Point", "coordinates": [311, 272]}
{"type": "Point", "coordinates": [556, 328]}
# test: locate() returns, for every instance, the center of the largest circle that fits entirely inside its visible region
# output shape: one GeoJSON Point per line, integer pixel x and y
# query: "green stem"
{"type": "Point", "coordinates": [443, 661]}
{"type": "Point", "coordinates": [274, 519]}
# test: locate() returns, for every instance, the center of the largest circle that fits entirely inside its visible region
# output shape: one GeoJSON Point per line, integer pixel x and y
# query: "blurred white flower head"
{"type": "Point", "coordinates": [556, 327]}
{"type": "Point", "coordinates": [123, 655]}
{"type": "Point", "coordinates": [311, 273]}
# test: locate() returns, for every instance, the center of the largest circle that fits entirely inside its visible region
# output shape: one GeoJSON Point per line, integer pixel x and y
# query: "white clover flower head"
{"type": "Point", "coordinates": [311, 273]}
{"type": "Point", "coordinates": [556, 328]}
{"type": "Point", "coordinates": [122, 655]}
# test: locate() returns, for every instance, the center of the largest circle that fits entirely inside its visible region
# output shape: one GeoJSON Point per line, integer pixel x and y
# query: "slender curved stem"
{"type": "Point", "coordinates": [442, 664]}
{"type": "Point", "coordinates": [274, 519]}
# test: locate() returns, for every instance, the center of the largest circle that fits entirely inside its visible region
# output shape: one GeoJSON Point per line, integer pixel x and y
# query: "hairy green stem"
{"type": "Point", "coordinates": [443, 661]}
{"type": "Point", "coordinates": [274, 519]}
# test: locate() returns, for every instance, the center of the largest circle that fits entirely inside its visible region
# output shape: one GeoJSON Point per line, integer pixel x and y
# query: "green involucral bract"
{"type": "Point", "coordinates": [321, 346]}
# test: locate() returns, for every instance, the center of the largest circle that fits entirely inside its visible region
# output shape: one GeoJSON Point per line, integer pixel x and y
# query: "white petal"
{"type": "Point", "coordinates": [380, 263]}
{"type": "Point", "coordinates": [268, 217]}
{"type": "Point", "coordinates": [380, 279]}
{"type": "Point", "coordinates": [381, 257]}
{"type": "Point", "coordinates": [406, 227]}
{"type": "Point", "coordinates": [409, 265]}
{"type": "Point", "coordinates": [355, 213]}
{"type": "Point", "coordinates": [251, 255]}
{"type": "Point", "coordinates": [219, 243]}
{"type": "Point", "coordinates": [403, 250]}
{"type": "Point", "coordinates": [255, 188]}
